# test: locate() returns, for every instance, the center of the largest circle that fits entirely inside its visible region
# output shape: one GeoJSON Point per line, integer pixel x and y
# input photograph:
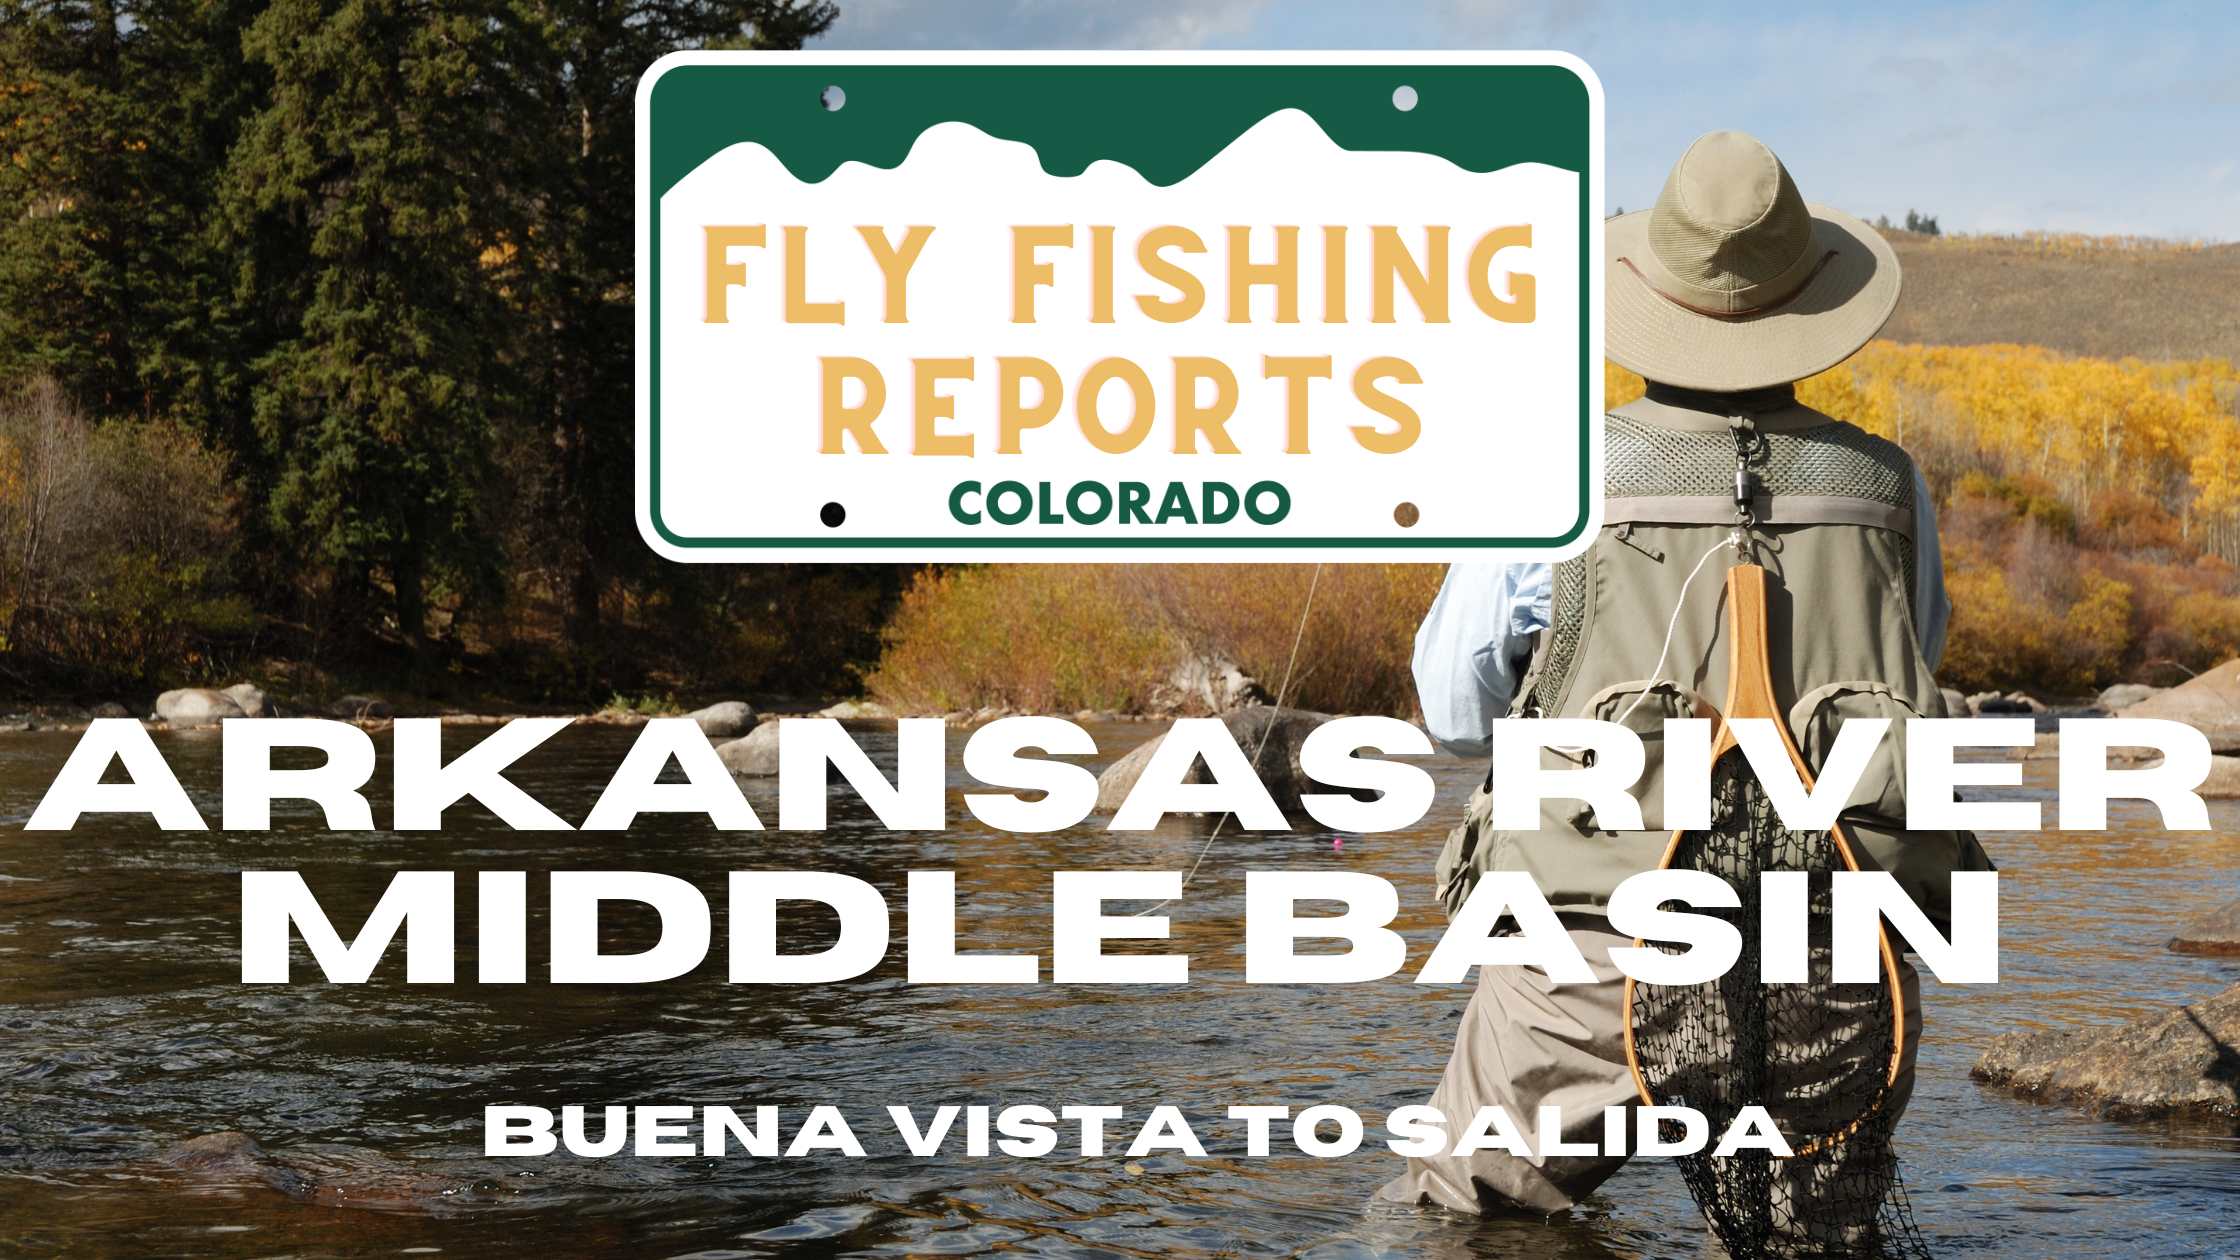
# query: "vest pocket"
{"type": "Point", "coordinates": [1467, 851]}
{"type": "Point", "coordinates": [1641, 706]}
{"type": "Point", "coordinates": [1819, 715]}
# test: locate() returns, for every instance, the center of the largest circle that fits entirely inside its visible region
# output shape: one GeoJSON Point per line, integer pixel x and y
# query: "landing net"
{"type": "Point", "coordinates": [1816, 1055]}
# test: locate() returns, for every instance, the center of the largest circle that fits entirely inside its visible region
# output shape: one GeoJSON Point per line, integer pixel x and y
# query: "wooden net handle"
{"type": "Point", "coordinates": [1750, 694]}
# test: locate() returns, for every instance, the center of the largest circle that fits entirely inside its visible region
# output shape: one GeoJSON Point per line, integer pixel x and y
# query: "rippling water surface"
{"type": "Point", "coordinates": [123, 1030]}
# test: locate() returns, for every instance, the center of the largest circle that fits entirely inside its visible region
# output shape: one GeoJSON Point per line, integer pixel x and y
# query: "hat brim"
{"type": "Point", "coordinates": [1839, 310]}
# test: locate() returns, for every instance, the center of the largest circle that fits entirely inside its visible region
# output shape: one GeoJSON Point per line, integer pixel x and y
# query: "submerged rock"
{"type": "Point", "coordinates": [1278, 764]}
{"type": "Point", "coordinates": [331, 1176]}
{"type": "Point", "coordinates": [756, 756]}
{"type": "Point", "coordinates": [2217, 932]}
{"type": "Point", "coordinates": [196, 706]}
{"type": "Point", "coordinates": [2174, 1063]}
{"type": "Point", "coordinates": [2210, 703]}
{"type": "Point", "coordinates": [237, 1156]}
{"type": "Point", "coordinates": [724, 719]}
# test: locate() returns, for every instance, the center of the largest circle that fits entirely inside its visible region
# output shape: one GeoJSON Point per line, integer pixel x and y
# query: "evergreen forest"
{"type": "Point", "coordinates": [316, 350]}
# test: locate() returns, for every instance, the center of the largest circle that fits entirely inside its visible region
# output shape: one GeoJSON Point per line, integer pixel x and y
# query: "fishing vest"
{"type": "Point", "coordinates": [1833, 516]}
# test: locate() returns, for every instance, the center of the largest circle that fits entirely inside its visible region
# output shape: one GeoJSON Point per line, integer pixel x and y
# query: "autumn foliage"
{"type": "Point", "coordinates": [2090, 508]}
{"type": "Point", "coordinates": [1055, 638]}
{"type": "Point", "coordinates": [2089, 511]}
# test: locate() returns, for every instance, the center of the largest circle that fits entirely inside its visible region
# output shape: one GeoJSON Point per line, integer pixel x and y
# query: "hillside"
{"type": "Point", "coordinates": [2106, 297]}
{"type": "Point", "coordinates": [2075, 407]}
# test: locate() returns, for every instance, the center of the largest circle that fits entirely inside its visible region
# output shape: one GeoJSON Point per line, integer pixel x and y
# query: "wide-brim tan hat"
{"type": "Point", "coordinates": [1735, 282]}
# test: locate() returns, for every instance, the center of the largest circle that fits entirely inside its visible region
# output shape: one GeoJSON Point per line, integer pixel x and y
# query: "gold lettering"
{"type": "Point", "coordinates": [1014, 417]}
{"type": "Point", "coordinates": [1283, 274]}
{"type": "Point", "coordinates": [1296, 372]}
{"type": "Point", "coordinates": [1410, 426]}
{"type": "Point", "coordinates": [799, 309]}
{"type": "Point", "coordinates": [1520, 309]}
{"type": "Point", "coordinates": [1427, 285]}
{"type": "Point", "coordinates": [840, 418]}
{"type": "Point", "coordinates": [722, 272]}
{"type": "Point", "coordinates": [927, 440]}
{"type": "Point", "coordinates": [895, 263]}
{"type": "Point", "coordinates": [1333, 275]}
{"type": "Point", "coordinates": [1100, 275]}
{"type": "Point", "coordinates": [1026, 273]}
{"type": "Point", "coordinates": [1190, 419]}
{"type": "Point", "coordinates": [1193, 297]}
{"type": "Point", "coordinates": [1085, 405]}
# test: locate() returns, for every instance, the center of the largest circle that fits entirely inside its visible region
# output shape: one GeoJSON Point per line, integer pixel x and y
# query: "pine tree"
{"type": "Point", "coordinates": [116, 117]}
{"type": "Point", "coordinates": [365, 197]}
{"type": "Point", "coordinates": [574, 68]}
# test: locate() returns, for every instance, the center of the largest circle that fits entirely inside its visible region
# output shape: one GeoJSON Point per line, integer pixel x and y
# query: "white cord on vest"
{"type": "Point", "coordinates": [1656, 672]}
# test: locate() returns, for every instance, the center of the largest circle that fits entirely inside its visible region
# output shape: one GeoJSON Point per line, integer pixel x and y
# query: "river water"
{"type": "Point", "coordinates": [123, 1030]}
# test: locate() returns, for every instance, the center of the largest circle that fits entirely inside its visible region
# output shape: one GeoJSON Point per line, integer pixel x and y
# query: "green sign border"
{"type": "Point", "coordinates": [1176, 117]}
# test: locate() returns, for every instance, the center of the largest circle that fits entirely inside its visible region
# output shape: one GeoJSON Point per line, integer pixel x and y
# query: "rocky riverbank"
{"type": "Point", "coordinates": [2179, 1064]}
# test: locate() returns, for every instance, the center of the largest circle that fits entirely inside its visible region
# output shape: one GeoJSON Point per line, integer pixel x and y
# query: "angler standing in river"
{"type": "Point", "coordinates": [1726, 293]}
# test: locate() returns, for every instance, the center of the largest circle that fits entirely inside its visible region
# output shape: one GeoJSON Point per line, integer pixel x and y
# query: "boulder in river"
{"type": "Point", "coordinates": [724, 719]}
{"type": "Point", "coordinates": [2172, 1064]}
{"type": "Point", "coordinates": [329, 1176]}
{"type": "Point", "coordinates": [360, 708]}
{"type": "Point", "coordinates": [2123, 695]}
{"type": "Point", "coordinates": [1277, 764]}
{"type": "Point", "coordinates": [108, 709]}
{"type": "Point", "coordinates": [856, 709]}
{"type": "Point", "coordinates": [756, 756]}
{"type": "Point", "coordinates": [2013, 702]}
{"type": "Point", "coordinates": [196, 706]}
{"type": "Point", "coordinates": [2209, 703]}
{"type": "Point", "coordinates": [254, 703]}
{"type": "Point", "coordinates": [236, 1156]}
{"type": "Point", "coordinates": [2223, 782]}
{"type": "Point", "coordinates": [2217, 932]}
{"type": "Point", "coordinates": [1202, 684]}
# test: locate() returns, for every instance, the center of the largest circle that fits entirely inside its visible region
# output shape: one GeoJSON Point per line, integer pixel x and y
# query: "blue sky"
{"type": "Point", "coordinates": [1992, 116]}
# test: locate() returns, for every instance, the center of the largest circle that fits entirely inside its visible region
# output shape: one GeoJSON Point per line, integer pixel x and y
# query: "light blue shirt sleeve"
{"type": "Point", "coordinates": [1928, 576]}
{"type": "Point", "coordinates": [1473, 645]}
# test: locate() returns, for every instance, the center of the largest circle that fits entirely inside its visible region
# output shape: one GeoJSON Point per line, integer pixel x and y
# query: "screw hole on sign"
{"type": "Point", "coordinates": [1403, 98]}
{"type": "Point", "coordinates": [833, 515]}
{"type": "Point", "coordinates": [834, 98]}
{"type": "Point", "coordinates": [1406, 515]}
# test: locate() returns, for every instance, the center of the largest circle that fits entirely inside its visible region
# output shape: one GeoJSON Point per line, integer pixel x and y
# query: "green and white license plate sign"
{"type": "Point", "coordinates": [1118, 306]}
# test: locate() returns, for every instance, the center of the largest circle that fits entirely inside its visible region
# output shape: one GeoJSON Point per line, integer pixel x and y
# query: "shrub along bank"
{"type": "Point", "coordinates": [1048, 638]}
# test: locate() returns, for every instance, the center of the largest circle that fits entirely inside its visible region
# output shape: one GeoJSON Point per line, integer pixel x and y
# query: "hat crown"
{"type": "Point", "coordinates": [1729, 217]}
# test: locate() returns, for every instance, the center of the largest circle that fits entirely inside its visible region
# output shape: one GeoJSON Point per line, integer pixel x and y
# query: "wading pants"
{"type": "Point", "coordinates": [1527, 1043]}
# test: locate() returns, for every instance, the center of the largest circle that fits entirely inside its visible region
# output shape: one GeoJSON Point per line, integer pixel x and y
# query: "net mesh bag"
{"type": "Point", "coordinates": [1816, 1055]}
